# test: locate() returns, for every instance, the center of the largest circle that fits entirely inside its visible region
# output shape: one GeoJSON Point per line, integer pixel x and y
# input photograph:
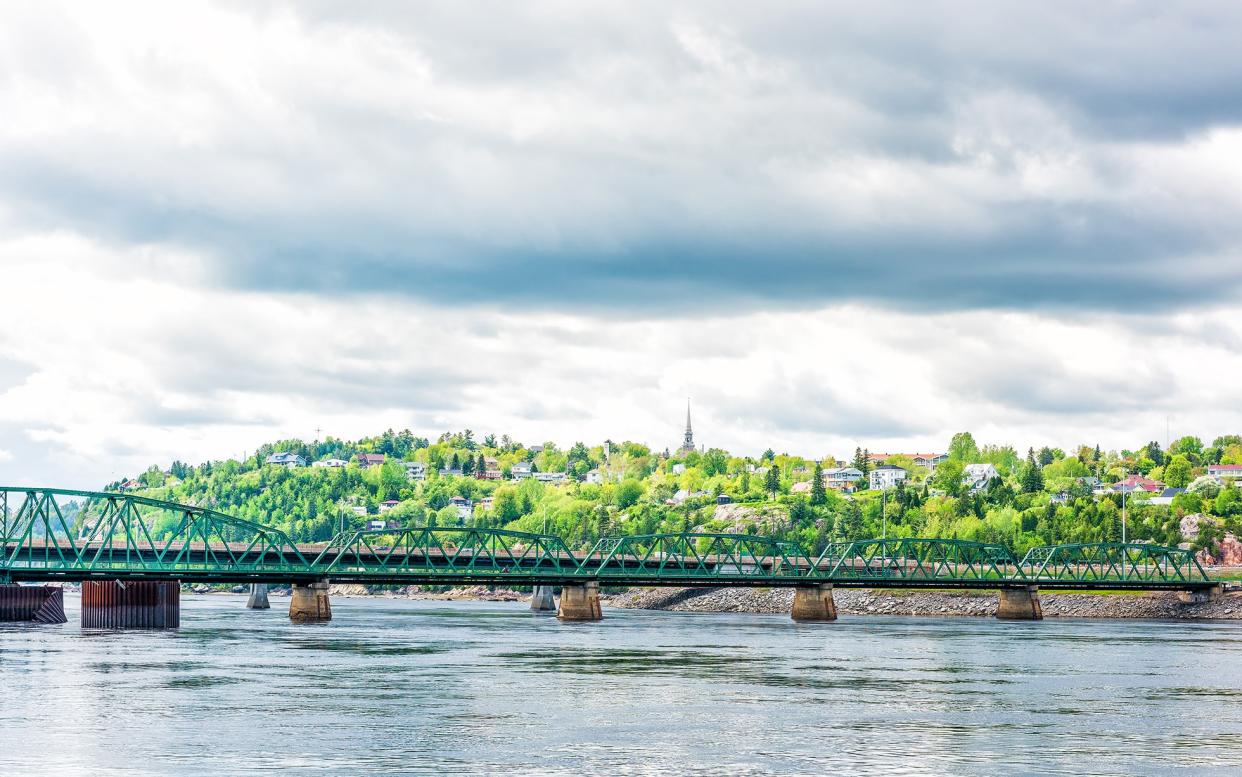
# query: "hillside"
{"type": "Point", "coordinates": [1046, 497]}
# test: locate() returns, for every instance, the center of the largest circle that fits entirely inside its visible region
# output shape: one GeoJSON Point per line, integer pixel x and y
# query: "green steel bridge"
{"type": "Point", "coordinates": [119, 536]}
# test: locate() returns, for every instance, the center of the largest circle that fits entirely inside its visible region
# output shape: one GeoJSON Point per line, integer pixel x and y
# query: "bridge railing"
{"type": "Point", "coordinates": [445, 552]}
{"type": "Point", "coordinates": [914, 559]}
{"type": "Point", "coordinates": [692, 556]}
{"type": "Point", "coordinates": [129, 534]}
{"type": "Point", "coordinates": [1112, 561]}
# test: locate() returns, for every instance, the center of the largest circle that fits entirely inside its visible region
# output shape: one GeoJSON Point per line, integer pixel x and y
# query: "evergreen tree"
{"type": "Point", "coordinates": [818, 495]}
{"type": "Point", "coordinates": [467, 465]}
{"type": "Point", "coordinates": [1032, 476]}
{"type": "Point", "coordinates": [772, 481]}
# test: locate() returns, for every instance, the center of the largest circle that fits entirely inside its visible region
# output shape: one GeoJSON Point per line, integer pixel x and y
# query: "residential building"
{"type": "Point", "coordinates": [520, 471]}
{"type": "Point", "coordinates": [331, 463]}
{"type": "Point", "coordinates": [595, 476]}
{"type": "Point", "coordinates": [976, 477]}
{"type": "Point", "coordinates": [488, 474]}
{"type": "Point", "coordinates": [415, 470]}
{"type": "Point", "coordinates": [1225, 470]}
{"type": "Point", "coordinates": [550, 477]}
{"type": "Point", "coordinates": [367, 460]}
{"type": "Point", "coordinates": [450, 472]}
{"type": "Point", "coordinates": [465, 509]}
{"type": "Point", "coordinates": [1165, 497]}
{"type": "Point", "coordinates": [1136, 483]}
{"type": "Point", "coordinates": [887, 476]}
{"type": "Point", "coordinates": [842, 478]}
{"type": "Point", "coordinates": [285, 459]}
{"type": "Point", "coordinates": [929, 460]}
{"type": "Point", "coordinates": [388, 504]}
{"type": "Point", "coordinates": [723, 499]}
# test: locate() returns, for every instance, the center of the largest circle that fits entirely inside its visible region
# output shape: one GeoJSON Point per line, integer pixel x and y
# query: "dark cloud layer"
{"type": "Point", "coordinates": [654, 160]}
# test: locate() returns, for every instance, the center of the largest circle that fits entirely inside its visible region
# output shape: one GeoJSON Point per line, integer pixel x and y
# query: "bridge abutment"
{"type": "Point", "coordinates": [1201, 596]}
{"type": "Point", "coordinates": [814, 603]}
{"type": "Point", "coordinates": [32, 604]}
{"type": "Point", "coordinates": [310, 603]}
{"type": "Point", "coordinates": [258, 597]}
{"type": "Point", "coordinates": [135, 604]}
{"type": "Point", "coordinates": [542, 599]}
{"type": "Point", "coordinates": [1019, 604]}
{"type": "Point", "coordinates": [580, 603]}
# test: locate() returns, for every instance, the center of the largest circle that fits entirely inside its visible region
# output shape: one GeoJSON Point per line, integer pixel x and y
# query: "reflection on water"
{"type": "Point", "coordinates": [396, 687]}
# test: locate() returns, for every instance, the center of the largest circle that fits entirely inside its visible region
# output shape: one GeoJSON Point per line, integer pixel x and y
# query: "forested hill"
{"type": "Point", "coordinates": [1045, 496]}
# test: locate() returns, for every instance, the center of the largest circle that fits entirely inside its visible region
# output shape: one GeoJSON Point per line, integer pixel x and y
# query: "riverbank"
{"type": "Point", "coordinates": [854, 601]}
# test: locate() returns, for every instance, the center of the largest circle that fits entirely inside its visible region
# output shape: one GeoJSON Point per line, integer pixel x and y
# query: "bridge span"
{"type": "Point", "coordinates": [131, 553]}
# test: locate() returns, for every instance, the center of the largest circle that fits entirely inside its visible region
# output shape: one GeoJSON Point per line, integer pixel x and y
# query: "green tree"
{"type": "Point", "coordinates": [819, 495]}
{"type": "Point", "coordinates": [628, 493]}
{"type": "Point", "coordinates": [772, 481]}
{"type": "Point", "coordinates": [1032, 476]}
{"type": "Point", "coordinates": [1177, 472]}
{"type": "Point", "coordinates": [963, 448]}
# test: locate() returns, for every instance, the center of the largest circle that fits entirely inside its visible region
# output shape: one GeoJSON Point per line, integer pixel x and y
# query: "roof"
{"type": "Point", "coordinates": [889, 467]}
{"type": "Point", "coordinates": [371, 458]}
{"type": "Point", "coordinates": [1226, 467]}
{"type": "Point", "coordinates": [1172, 492]}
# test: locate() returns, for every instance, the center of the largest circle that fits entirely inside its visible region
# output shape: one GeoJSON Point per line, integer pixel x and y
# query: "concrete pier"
{"type": "Point", "coordinates": [1201, 596]}
{"type": "Point", "coordinates": [580, 603]}
{"type": "Point", "coordinates": [1020, 604]}
{"type": "Point", "coordinates": [133, 604]}
{"type": "Point", "coordinates": [814, 603]}
{"type": "Point", "coordinates": [542, 600]}
{"type": "Point", "coordinates": [309, 603]}
{"type": "Point", "coordinates": [258, 597]}
{"type": "Point", "coordinates": [32, 604]}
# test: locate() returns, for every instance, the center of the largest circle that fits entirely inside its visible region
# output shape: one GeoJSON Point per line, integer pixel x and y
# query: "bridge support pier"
{"type": "Point", "coordinates": [309, 603]}
{"type": "Point", "coordinates": [258, 597]}
{"type": "Point", "coordinates": [135, 604]}
{"type": "Point", "coordinates": [32, 604]}
{"type": "Point", "coordinates": [1202, 596]}
{"type": "Point", "coordinates": [1020, 604]}
{"type": "Point", "coordinates": [580, 603]}
{"type": "Point", "coordinates": [542, 600]}
{"type": "Point", "coordinates": [814, 603]}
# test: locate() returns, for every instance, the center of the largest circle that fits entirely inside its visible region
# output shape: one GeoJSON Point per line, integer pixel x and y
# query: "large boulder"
{"type": "Point", "coordinates": [1192, 523]}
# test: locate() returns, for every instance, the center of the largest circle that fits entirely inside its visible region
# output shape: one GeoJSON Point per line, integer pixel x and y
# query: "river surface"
{"type": "Point", "coordinates": [406, 687]}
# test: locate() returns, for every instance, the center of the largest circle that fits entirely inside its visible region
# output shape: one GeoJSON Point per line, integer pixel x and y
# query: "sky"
{"type": "Point", "coordinates": [830, 225]}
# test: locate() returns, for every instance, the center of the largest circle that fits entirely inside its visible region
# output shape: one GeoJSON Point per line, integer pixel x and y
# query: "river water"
{"type": "Point", "coordinates": [405, 687]}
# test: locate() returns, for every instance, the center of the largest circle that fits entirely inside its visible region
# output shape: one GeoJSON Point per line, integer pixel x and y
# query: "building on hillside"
{"type": "Point", "coordinates": [388, 504]}
{"type": "Point", "coordinates": [131, 485]}
{"type": "Point", "coordinates": [550, 477]}
{"type": "Point", "coordinates": [1165, 497]}
{"type": "Point", "coordinates": [679, 468]}
{"type": "Point", "coordinates": [520, 471]}
{"type": "Point", "coordinates": [724, 499]}
{"type": "Point", "coordinates": [887, 476]}
{"type": "Point", "coordinates": [595, 476]}
{"type": "Point", "coordinates": [485, 503]}
{"type": "Point", "coordinates": [367, 460]}
{"type": "Point", "coordinates": [488, 474]}
{"type": "Point", "coordinates": [843, 479]}
{"type": "Point", "coordinates": [687, 441]}
{"type": "Point", "coordinates": [285, 459]}
{"type": "Point", "coordinates": [1225, 470]}
{"type": "Point", "coordinates": [1135, 483]}
{"type": "Point", "coordinates": [331, 463]}
{"type": "Point", "coordinates": [976, 477]}
{"type": "Point", "coordinates": [800, 488]}
{"type": "Point", "coordinates": [454, 472]}
{"type": "Point", "coordinates": [465, 509]}
{"type": "Point", "coordinates": [415, 471]}
{"type": "Point", "coordinates": [929, 460]}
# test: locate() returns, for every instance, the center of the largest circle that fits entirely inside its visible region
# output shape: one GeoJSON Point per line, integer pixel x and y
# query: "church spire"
{"type": "Point", "coordinates": [688, 443]}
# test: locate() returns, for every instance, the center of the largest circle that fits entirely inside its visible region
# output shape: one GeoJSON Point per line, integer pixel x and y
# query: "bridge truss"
{"type": "Point", "coordinates": [126, 536]}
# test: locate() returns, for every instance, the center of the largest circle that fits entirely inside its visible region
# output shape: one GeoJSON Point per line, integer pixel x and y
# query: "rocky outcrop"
{"type": "Point", "coordinates": [1193, 523]}
{"type": "Point", "coordinates": [742, 517]}
{"type": "Point", "coordinates": [1226, 553]}
{"type": "Point", "coordinates": [929, 603]}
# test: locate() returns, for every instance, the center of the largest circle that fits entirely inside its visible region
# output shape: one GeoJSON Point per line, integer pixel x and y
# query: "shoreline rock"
{"type": "Point", "coordinates": [860, 601]}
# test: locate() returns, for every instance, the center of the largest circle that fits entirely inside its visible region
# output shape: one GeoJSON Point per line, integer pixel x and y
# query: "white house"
{"type": "Point", "coordinates": [930, 460]}
{"type": "Point", "coordinates": [977, 476]}
{"type": "Point", "coordinates": [286, 459]}
{"type": "Point", "coordinates": [595, 476]}
{"type": "Point", "coordinates": [550, 477]}
{"type": "Point", "coordinates": [465, 509]}
{"type": "Point", "coordinates": [887, 476]}
{"type": "Point", "coordinates": [1225, 470]}
{"type": "Point", "coordinates": [842, 478]}
{"type": "Point", "coordinates": [332, 463]}
{"type": "Point", "coordinates": [520, 471]}
{"type": "Point", "coordinates": [415, 470]}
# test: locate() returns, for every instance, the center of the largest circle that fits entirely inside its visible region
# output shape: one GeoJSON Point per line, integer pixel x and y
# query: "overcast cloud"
{"type": "Point", "coordinates": [222, 223]}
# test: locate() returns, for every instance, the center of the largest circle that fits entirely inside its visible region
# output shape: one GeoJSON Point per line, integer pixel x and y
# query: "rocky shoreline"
{"type": "Point", "coordinates": [854, 601]}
